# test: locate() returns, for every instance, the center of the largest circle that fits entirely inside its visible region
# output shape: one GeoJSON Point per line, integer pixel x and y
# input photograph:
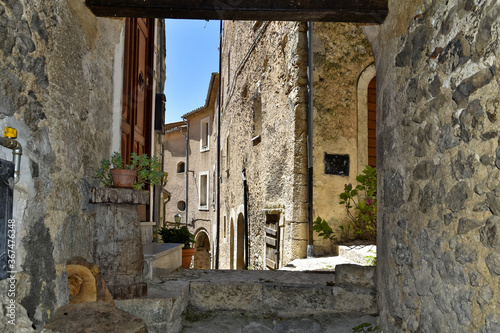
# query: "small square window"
{"type": "Point", "coordinates": [337, 164]}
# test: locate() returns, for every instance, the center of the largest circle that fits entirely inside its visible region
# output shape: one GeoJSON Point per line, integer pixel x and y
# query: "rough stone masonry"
{"type": "Point", "coordinates": [438, 161]}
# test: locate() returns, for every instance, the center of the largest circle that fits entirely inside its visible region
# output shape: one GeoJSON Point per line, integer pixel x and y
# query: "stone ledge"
{"type": "Point", "coordinates": [160, 259]}
{"type": "Point", "coordinates": [111, 195]}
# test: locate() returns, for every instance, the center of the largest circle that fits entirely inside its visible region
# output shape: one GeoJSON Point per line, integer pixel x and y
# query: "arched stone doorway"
{"type": "Point", "coordinates": [241, 243]}
{"type": "Point", "coordinates": [231, 245]}
{"type": "Point", "coordinates": [366, 118]}
{"type": "Point", "coordinates": [202, 255]}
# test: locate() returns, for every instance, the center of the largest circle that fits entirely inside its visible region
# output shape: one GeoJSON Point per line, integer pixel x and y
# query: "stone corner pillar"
{"type": "Point", "coordinates": [117, 240]}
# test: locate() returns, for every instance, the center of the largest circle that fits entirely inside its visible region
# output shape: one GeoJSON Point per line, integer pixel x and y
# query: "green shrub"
{"type": "Point", "coordinates": [177, 234]}
{"type": "Point", "coordinates": [361, 206]}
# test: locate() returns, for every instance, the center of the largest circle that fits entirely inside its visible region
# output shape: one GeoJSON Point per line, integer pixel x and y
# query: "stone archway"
{"type": "Point", "coordinates": [202, 255]}
{"type": "Point", "coordinates": [231, 245]}
{"type": "Point", "coordinates": [364, 81]}
{"type": "Point", "coordinates": [240, 243]}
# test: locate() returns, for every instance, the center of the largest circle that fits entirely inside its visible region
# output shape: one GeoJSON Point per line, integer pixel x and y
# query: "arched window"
{"type": "Point", "coordinates": [181, 205]}
{"type": "Point", "coordinates": [181, 167]}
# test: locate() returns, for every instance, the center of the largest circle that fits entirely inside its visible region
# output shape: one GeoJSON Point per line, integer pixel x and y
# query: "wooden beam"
{"type": "Point", "coordinates": [359, 11]}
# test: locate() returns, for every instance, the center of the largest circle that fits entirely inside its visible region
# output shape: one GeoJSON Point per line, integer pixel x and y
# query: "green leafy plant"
{"type": "Point", "coordinates": [365, 328]}
{"type": "Point", "coordinates": [177, 234]}
{"type": "Point", "coordinates": [371, 260]}
{"type": "Point", "coordinates": [104, 173]}
{"type": "Point", "coordinates": [324, 230]}
{"type": "Point", "coordinates": [361, 205]}
{"type": "Point", "coordinates": [148, 169]}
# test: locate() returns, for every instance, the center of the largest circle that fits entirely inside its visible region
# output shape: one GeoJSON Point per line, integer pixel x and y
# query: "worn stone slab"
{"type": "Point", "coordinates": [226, 296]}
{"type": "Point", "coordinates": [162, 310]}
{"type": "Point", "coordinates": [94, 317]}
{"type": "Point", "coordinates": [296, 300]}
{"type": "Point", "coordinates": [354, 299]}
{"type": "Point", "coordinates": [118, 249]}
{"type": "Point", "coordinates": [241, 322]}
{"type": "Point", "coordinates": [355, 274]}
{"type": "Point", "coordinates": [160, 259]}
{"type": "Point", "coordinates": [105, 195]}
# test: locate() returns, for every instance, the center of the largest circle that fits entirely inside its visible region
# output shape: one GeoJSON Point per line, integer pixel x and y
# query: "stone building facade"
{"type": "Point", "coordinates": [262, 62]}
{"type": "Point", "coordinates": [194, 171]}
{"type": "Point", "coordinates": [264, 131]}
{"type": "Point", "coordinates": [61, 88]}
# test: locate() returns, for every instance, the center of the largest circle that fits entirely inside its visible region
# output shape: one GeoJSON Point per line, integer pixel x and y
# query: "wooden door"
{"type": "Point", "coordinates": [137, 100]}
{"type": "Point", "coordinates": [240, 243]}
{"type": "Point", "coordinates": [272, 240]}
{"type": "Point", "coordinates": [372, 123]}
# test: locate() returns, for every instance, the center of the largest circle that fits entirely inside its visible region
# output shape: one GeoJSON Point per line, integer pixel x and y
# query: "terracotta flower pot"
{"type": "Point", "coordinates": [187, 256]}
{"type": "Point", "coordinates": [123, 178]}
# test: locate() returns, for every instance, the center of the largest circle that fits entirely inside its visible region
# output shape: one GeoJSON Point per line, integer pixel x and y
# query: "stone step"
{"type": "Point", "coordinates": [257, 298]}
{"type": "Point", "coordinates": [162, 310]}
{"type": "Point", "coordinates": [230, 322]}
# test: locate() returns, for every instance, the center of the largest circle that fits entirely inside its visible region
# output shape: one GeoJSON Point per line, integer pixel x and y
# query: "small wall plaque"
{"type": "Point", "coordinates": [337, 164]}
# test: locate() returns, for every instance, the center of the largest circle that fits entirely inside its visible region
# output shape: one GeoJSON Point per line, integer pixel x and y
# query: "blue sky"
{"type": "Point", "coordinates": [192, 56]}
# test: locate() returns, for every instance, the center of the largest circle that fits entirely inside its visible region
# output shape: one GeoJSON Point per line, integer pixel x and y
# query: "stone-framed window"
{"type": "Point", "coordinates": [205, 134]}
{"type": "Point", "coordinates": [203, 188]}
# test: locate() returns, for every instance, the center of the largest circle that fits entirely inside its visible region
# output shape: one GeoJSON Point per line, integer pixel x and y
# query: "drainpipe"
{"type": "Point", "coordinates": [187, 167]}
{"type": "Point", "coordinates": [245, 205]}
{"type": "Point", "coordinates": [17, 150]}
{"type": "Point", "coordinates": [218, 151]}
{"type": "Point", "coordinates": [310, 104]}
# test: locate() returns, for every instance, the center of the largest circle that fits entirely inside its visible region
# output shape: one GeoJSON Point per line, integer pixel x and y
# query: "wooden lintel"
{"type": "Point", "coordinates": [357, 11]}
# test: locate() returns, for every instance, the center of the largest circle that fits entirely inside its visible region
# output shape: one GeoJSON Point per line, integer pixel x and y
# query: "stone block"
{"type": "Point", "coordinates": [95, 317]}
{"type": "Point", "coordinates": [162, 310]}
{"type": "Point", "coordinates": [355, 274]}
{"type": "Point", "coordinates": [354, 299]}
{"type": "Point", "coordinates": [226, 296]}
{"type": "Point", "coordinates": [122, 196]}
{"type": "Point", "coordinates": [160, 259]}
{"type": "Point", "coordinates": [299, 230]}
{"type": "Point", "coordinates": [296, 299]}
{"type": "Point", "coordinates": [118, 244]}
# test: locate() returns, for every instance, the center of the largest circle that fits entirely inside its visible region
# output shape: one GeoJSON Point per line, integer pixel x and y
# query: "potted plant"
{"type": "Point", "coordinates": [137, 174]}
{"type": "Point", "coordinates": [180, 235]}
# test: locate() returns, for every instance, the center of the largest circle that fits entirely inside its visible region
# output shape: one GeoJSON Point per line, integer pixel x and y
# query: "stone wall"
{"type": "Point", "coordinates": [263, 94]}
{"type": "Point", "coordinates": [341, 54]}
{"type": "Point", "coordinates": [56, 88]}
{"type": "Point", "coordinates": [438, 249]}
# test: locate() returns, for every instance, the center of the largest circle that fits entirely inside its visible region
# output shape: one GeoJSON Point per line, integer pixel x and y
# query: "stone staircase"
{"type": "Point", "coordinates": [258, 301]}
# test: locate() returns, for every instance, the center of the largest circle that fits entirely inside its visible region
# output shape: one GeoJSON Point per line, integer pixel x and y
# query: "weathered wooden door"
{"type": "Point", "coordinates": [272, 240]}
{"type": "Point", "coordinates": [137, 87]}
{"type": "Point", "coordinates": [240, 243]}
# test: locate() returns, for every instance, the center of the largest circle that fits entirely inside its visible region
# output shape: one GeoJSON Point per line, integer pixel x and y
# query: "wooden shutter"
{"type": "Point", "coordinates": [137, 103]}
